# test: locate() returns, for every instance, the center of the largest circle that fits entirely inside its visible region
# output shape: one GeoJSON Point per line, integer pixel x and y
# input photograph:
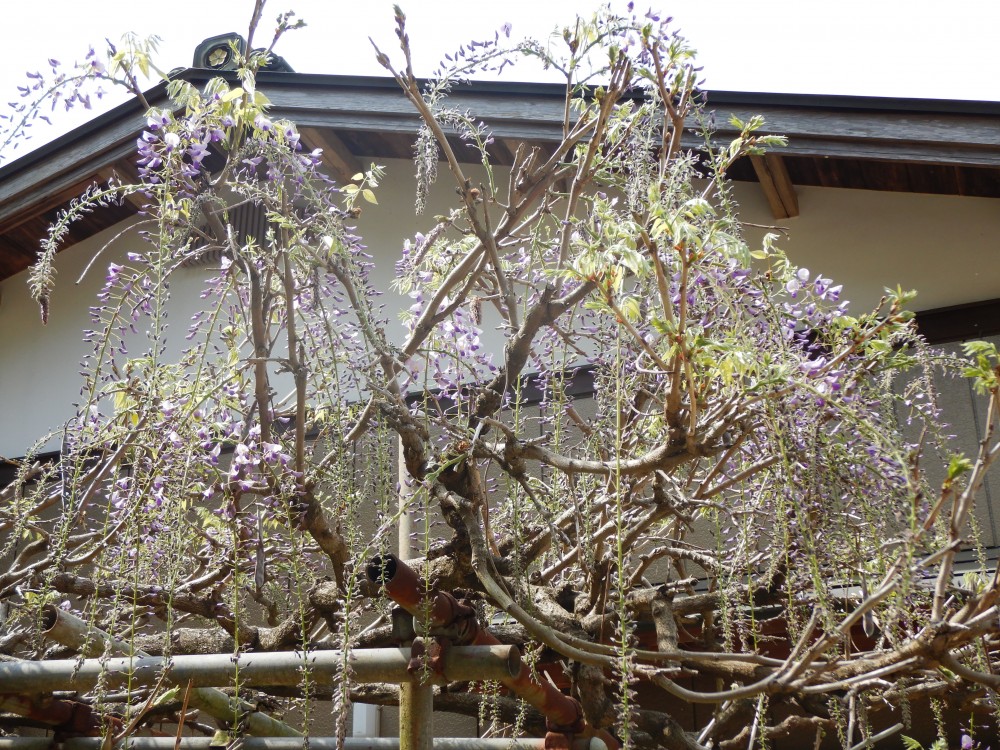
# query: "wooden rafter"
{"type": "Point", "coordinates": [504, 149]}
{"type": "Point", "coordinates": [337, 157]}
{"type": "Point", "coordinates": [777, 185]}
{"type": "Point", "coordinates": [106, 173]}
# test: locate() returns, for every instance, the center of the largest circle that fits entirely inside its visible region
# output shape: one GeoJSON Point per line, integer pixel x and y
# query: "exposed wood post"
{"type": "Point", "coordinates": [403, 585]}
{"type": "Point", "coordinates": [777, 185]}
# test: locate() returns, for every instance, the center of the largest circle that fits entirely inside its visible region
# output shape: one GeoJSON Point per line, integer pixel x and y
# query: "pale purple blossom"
{"type": "Point", "coordinates": [157, 119]}
{"type": "Point", "coordinates": [197, 152]}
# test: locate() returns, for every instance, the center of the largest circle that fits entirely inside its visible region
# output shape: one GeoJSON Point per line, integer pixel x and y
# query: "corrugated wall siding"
{"type": "Point", "coordinates": [964, 412]}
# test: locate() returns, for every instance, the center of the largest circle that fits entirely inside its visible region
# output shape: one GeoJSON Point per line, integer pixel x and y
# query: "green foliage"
{"type": "Point", "coordinates": [957, 466]}
{"type": "Point", "coordinates": [985, 367]}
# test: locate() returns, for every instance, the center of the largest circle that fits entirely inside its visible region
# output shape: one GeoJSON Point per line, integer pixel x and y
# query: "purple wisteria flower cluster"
{"type": "Point", "coordinates": [672, 455]}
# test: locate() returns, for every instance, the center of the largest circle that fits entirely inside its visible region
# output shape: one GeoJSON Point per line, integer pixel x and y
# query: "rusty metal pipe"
{"type": "Point", "coordinates": [442, 610]}
{"type": "Point", "coordinates": [403, 586]}
{"type": "Point", "coordinates": [60, 714]}
{"type": "Point", "coordinates": [438, 610]}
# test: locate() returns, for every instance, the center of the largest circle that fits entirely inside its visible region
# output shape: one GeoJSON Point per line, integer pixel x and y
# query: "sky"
{"type": "Point", "coordinates": [900, 48]}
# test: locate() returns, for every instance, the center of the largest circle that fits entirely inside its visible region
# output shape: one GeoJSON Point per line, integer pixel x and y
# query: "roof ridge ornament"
{"type": "Point", "coordinates": [217, 53]}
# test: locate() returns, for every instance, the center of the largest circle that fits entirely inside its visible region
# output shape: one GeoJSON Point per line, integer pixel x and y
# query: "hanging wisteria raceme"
{"type": "Point", "coordinates": [667, 455]}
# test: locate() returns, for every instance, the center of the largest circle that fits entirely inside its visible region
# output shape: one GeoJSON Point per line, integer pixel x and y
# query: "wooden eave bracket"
{"type": "Point", "coordinates": [505, 148]}
{"type": "Point", "coordinates": [337, 157]}
{"type": "Point", "coordinates": [135, 200]}
{"type": "Point", "coordinates": [777, 185]}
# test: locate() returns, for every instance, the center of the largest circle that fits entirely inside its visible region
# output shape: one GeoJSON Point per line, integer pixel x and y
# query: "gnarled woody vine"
{"type": "Point", "coordinates": [739, 479]}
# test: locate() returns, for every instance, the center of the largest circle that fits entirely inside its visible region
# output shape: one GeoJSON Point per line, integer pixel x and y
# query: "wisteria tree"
{"type": "Point", "coordinates": [732, 518]}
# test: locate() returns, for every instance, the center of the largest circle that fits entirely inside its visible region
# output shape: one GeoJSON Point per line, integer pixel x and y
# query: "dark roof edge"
{"type": "Point", "coordinates": [741, 99]}
{"type": "Point", "coordinates": [760, 98]}
{"type": "Point", "coordinates": [852, 102]}
{"type": "Point", "coordinates": [133, 107]}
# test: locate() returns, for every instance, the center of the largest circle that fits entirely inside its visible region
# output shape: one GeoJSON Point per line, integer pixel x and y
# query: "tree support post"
{"type": "Point", "coordinates": [452, 623]}
{"type": "Point", "coordinates": [416, 698]}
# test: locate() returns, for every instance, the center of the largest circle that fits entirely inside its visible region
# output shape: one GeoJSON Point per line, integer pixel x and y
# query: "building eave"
{"type": "Point", "coordinates": [906, 145]}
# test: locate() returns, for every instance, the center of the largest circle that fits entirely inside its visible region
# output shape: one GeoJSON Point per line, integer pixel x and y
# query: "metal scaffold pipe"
{"type": "Point", "coordinates": [443, 613]}
{"type": "Point", "coordinates": [25, 743]}
{"type": "Point", "coordinates": [315, 743]}
{"type": "Point", "coordinates": [70, 630]}
{"type": "Point", "coordinates": [253, 669]}
{"type": "Point", "coordinates": [416, 701]}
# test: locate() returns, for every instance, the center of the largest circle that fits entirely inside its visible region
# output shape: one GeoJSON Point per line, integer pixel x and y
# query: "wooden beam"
{"type": "Point", "coordinates": [337, 157]}
{"type": "Point", "coordinates": [505, 148]}
{"type": "Point", "coordinates": [972, 320]}
{"type": "Point", "coordinates": [777, 185]}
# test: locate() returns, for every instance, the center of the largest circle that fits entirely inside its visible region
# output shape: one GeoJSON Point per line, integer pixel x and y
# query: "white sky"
{"type": "Point", "coordinates": [908, 48]}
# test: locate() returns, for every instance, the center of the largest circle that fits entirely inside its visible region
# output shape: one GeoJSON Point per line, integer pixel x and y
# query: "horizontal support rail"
{"type": "Point", "coordinates": [25, 743]}
{"type": "Point", "coordinates": [80, 635]}
{"type": "Point", "coordinates": [462, 664]}
{"type": "Point", "coordinates": [290, 743]}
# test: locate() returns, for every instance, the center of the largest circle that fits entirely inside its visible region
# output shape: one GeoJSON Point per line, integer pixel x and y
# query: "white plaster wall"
{"type": "Point", "coordinates": [944, 246]}
{"type": "Point", "coordinates": [39, 371]}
